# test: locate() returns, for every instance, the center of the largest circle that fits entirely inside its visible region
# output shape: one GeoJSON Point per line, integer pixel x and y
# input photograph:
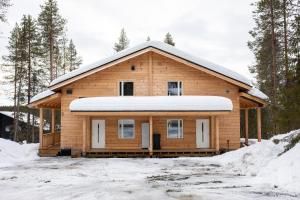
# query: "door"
{"type": "Point", "coordinates": [202, 133]}
{"type": "Point", "coordinates": [98, 133]}
{"type": "Point", "coordinates": [145, 135]}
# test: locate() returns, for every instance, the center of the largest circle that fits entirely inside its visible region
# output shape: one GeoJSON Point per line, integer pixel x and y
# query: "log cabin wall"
{"type": "Point", "coordinates": [106, 83]}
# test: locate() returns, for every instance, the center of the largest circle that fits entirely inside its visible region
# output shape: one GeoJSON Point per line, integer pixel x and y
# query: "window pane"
{"type": "Point", "coordinates": [126, 128]}
{"type": "Point", "coordinates": [175, 88]}
{"type": "Point", "coordinates": [173, 128]}
{"type": "Point", "coordinates": [128, 88]}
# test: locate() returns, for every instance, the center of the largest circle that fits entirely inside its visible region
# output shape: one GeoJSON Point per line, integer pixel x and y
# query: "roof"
{"type": "Point", "coordinates": [23, 116]}
{"type": "Point", "coordinates": [257, 93]}
{"type": "Point", "coordinates": [151, 104]}
{"type": "Point", "coordinates": [160, 46]}
{"type": "Point", "coordinates": [42, 95]}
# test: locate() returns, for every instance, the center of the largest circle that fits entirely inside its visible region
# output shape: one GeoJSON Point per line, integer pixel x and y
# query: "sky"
{"type": "Point", "coordinates": [214, 30]}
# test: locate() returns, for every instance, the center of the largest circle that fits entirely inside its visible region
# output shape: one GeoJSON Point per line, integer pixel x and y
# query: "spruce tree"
{"type": "Point", "coordinates": [4, 4]}
{"type": "Point", "coordinates": [148, 39]}
{"type": "Point", "coordinates": [74, 60]}
{"type": "Point", "coordinates": [122, 43]}
{"type": "Point", "coordinates": [169, 39]}
{"type": "Point", "coordinates": [52, 27]}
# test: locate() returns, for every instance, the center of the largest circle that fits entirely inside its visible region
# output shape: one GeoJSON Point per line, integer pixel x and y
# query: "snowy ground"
{"type": "Point", "coordinates": [254, 172]}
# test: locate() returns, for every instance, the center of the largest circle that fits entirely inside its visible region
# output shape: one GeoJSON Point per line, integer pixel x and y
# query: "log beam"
{"type": "Point", "coordinates": [84, 135]}
{"type": "Point", "coordinates": [217, 133]}
{"type": "Point", "coordinates": [150, 136]}
{"type": "Point", "coordinates": [41, 128]}
{"type": "Point", "coordinates": [246, 126]}
{"type": "Point", "coordinates": [258, 112]}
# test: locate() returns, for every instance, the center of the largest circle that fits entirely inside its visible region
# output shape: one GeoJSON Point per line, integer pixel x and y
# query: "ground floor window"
{"type": "Point", "coordinates": [126, 128]}
{"type": "Point", "coordinates": [175, 128]}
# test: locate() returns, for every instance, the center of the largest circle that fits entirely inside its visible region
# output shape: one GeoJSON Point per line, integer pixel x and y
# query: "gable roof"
{"type": "Point", "coordinates": [161, 46]}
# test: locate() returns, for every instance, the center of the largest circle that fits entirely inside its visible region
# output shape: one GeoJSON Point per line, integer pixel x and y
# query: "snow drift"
{"type": "Point", "coordinates": [267, 163]}
{"type": "Point", "coordinates": [12, 153]}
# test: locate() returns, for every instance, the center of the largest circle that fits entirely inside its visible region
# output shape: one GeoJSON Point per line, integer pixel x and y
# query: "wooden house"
{"type": "Point", "coordinates": [149, 100]}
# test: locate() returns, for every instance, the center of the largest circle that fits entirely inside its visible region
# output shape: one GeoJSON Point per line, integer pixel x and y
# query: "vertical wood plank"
{"type": "Point", "coordinates": [217, 133]}
{"type": "Point", "coordinates": [246, 126]}
{"type": "Point", "coordinates": [151, 136]}
{"type": "Point", "coordinates": [41, 128]}
{"type": "Point", "coordinates": [258, 112]}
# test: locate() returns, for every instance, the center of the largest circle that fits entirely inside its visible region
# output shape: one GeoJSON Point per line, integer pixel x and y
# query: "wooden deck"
{"type": "Point", "coordinates": [54, 150]}
{"type": "Point", "coordinates": [167, 153]}
{"type": "Point", "coordinates": [51, 151]}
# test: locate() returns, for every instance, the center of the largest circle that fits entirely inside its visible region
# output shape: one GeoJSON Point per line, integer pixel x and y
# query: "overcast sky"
{"type": "Point", "coordinates": [211, 29]}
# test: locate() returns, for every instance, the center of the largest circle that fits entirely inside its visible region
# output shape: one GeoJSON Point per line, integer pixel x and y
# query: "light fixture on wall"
{"type": "Point", "coordinates": [132, 67]}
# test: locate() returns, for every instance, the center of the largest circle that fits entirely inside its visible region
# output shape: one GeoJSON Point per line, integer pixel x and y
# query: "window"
{"type": "Point", "coordinates": [126, 128]}
{"type": "Point", "coordinates": [69, 91]}
{"type": "Point", "coordinates": [174, 88]}
{"type": "Point", "coordinates": [126, 88]}
{"type": "Point", "coordinates": [175, 128]}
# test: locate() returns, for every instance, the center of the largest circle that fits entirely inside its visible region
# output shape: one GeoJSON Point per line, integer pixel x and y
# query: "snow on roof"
{"type": "Point", "coordinates": [152, 103]}
{"type": "Point", "coordinates": [23, 116]}
{"type": "Point", "coordinates": [41, 95]}
{"type": "Point", "coordinates": [257, 93]}
{"type": "Point", "coordinates": [163, 47]}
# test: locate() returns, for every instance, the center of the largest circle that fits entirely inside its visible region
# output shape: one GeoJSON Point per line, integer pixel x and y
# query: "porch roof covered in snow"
{"type": "Point", "coordinates": [154, 105]}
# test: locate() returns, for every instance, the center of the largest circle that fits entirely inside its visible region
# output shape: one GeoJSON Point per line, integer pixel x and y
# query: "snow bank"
{"type": "Point", "coordinates": [12, 153]}
{"type": "Point", "coordinates": [262, 160]}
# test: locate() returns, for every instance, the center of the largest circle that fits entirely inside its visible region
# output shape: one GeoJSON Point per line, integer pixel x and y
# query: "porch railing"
{"type": "Point", "coordinates": [50, 139]}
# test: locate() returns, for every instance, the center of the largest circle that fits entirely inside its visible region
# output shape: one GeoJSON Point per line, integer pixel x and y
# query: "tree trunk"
{"type": "Point", "coordinates": [286, 61]}
{"type": "Point", "coordinates": [29, 87]}
{"type": "Point", "coordinates": [274, 68]}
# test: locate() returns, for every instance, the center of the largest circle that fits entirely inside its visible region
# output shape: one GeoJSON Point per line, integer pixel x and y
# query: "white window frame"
{"type": "Point", "coordinates": [179, 135]}
{"type": "Point", "coordinates": [121, 90]}
{"type": "Point", "coordinates": [179, 83]}
{"type": "Point", "coordinates": [121, 129]}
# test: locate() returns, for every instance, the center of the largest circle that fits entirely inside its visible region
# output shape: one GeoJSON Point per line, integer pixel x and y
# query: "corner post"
{"type": "Point", "coordinates": [41, 128]}
{"type": "Point", "coordinates": [150, 136]}
{"type": "Point", "coordinates": [217, 134]}
{"type": "Point", "coordinates": [246, 126]}
{"type": "Point", "coordinates": [53, 125]}
{"type": "Point", "coordinates": [84, 133]}
{"type": "Point", "coordinates": [258, 112]}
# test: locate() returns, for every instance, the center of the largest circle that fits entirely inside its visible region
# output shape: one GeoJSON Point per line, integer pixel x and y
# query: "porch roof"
{"type": "Point", "coordinates": [152, 104]}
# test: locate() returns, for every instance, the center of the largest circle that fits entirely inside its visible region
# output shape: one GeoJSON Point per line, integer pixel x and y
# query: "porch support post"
{"type": "Point", "coordinates": [246, 126]}
{"type": "Point", "coordinates": [217, 134]}
{"type": "Point", "coordinates": [41, 128]}
{"type": "Point", "coordinates": [84, 133]}
{"type": "Point", "coordinates": [150, 136]}
{"type": "Point", "coordinates": [53, 125]}
{"type": "Point", "coordinates": [258, 112]}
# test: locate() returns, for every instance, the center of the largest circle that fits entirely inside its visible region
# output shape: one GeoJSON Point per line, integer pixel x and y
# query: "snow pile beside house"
{"type": "Point", "coordinates": [12, 153]}
{"type": "Point", "coordinates": [263, 160]}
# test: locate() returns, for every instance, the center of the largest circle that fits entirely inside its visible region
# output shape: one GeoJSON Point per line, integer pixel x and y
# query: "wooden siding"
{"type": "Point", "coordinates": [106, 83]}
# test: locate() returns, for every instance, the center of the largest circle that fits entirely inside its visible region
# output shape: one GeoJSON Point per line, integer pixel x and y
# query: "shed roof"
{"type": "Point", "coordinates": [152, 104]}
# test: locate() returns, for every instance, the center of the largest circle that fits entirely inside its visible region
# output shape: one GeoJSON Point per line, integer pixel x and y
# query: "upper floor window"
{"type": "Point", "coordinates": [175, 128]}
{"type": "Point", "coordinates": [126, 88]}
{"type": "Point", "coordinates": [174, 88]}
{"type": "Point", "coordinates": [126, 128]}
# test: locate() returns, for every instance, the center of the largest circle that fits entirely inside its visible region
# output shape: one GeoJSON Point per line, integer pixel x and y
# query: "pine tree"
{"type": "Point", "coordinates": [73, 59]}
{"type": "Point", "coordinates": [52, 27]}
{"type": "Point", "coordinates": [12, 69]}
{"type": "Point", "coordinates": [122, 43]}
{"type": "Point", "coordinates": [148, 39]}
{"type": "Point", "coordinates": [4, 4]}
{"type": "Point", "coordinates": [169, 39]}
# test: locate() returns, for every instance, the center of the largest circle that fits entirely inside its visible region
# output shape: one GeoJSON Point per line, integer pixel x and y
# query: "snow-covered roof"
{"type": "Point", "coordinates": [42, 95]}
{"type": "Point", "coordinates": [257, 93]}
{"type": "Point", "coordinates": [160, 46]}
{"type": "Point", "coordinates": [151, 104]}
{"type": "Point", "coordinates": [23, 116]}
